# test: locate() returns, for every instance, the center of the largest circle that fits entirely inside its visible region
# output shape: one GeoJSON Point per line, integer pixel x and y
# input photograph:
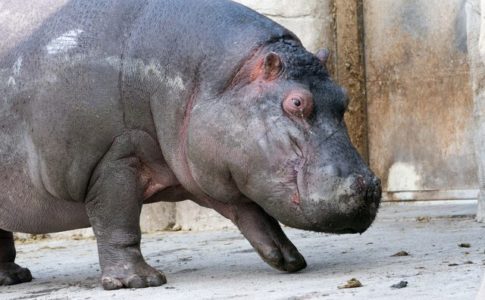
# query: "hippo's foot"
{"type": "Point", "coordinates": [11, 273]}
{"type": "Point", "coordinates": [284, 258]}
{"type": "Point", "coordinates": [140, 275]}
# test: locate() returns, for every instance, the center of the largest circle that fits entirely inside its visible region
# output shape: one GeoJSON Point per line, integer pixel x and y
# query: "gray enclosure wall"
{"type": "Point", "coordinates": [476, 48]}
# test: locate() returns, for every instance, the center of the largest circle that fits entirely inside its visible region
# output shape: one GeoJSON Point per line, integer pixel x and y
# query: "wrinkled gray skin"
{"type": "Point", "coordinates": [106, 105]}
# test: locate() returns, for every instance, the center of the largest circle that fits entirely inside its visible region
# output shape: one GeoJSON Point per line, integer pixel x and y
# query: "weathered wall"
{"type": "Point", "coordinates": [310, 20]}
{"type": "Point", "coordinates": [476, 49]}
{"type": "Point", "coordinates": [420, 104]}
{"type": "Point", "coordinates": [350, 68]}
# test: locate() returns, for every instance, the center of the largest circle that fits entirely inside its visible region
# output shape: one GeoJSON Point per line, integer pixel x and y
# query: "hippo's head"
{"type": "Point", "coordinates": [276, 136]}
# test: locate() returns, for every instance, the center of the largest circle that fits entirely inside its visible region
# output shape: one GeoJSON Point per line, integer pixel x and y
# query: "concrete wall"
{"type": "Point", "coordinates": [310, 20]}
{"type": "Point", "coordinates": [420, 103]}
{"type": "Point", "coordinates": [476, 49]}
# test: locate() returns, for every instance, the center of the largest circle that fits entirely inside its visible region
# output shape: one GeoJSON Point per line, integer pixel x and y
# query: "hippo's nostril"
{"type": "Point", "coordinates": [359, 184]}
{"type": "Point", "coordinates": [361, 181]}
{"type": "Point", "coordinates": [374, 191]}
{"type": "Point", "coordinates": [376, 182]}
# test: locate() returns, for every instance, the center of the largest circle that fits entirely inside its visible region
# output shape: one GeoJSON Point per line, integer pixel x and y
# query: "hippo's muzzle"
{"type": "Point", "coordinates": [348, 206]}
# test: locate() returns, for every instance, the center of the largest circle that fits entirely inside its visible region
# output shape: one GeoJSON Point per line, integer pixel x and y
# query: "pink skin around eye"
{"type": "Point", "coordinates": [298, 104]}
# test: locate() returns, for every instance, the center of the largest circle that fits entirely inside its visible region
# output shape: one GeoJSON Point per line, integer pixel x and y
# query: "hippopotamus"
{"type": "Point", "coordinates": [108, 105]}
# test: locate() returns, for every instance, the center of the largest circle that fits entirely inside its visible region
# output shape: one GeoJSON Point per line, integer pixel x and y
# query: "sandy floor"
{"type": "Point", "coordinates": [222, 265]}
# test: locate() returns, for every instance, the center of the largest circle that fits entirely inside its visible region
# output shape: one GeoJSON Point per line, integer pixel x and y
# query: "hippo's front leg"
{"type": "Point", "coordinates": [265, 235]}
{"type": "Point", "coordinates": [113, 205]}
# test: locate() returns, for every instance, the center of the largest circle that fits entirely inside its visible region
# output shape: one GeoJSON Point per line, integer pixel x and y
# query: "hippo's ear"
{"type": "Point", "coordinates": [323, 55]}
{"type": "Point", "coordinates": [272, 66]}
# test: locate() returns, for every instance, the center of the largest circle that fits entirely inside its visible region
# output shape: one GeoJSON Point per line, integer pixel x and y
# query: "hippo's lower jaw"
{"type": "Point", "coordinates": [340, 224]}
{"type": "Point", "coordinates": [347, 231]}
{"type": "Point", "coordinates": [358, 224]}
{"type": "Point", "coordinates": [355, 222]}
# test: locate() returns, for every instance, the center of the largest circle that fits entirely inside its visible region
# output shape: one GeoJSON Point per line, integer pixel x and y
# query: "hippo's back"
{"type": "Point", "coordinates": [210, 37]}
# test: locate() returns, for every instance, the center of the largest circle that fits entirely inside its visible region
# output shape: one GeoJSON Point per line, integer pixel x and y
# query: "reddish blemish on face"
{"type": "Point", "coordinates": [295, 198]}
{"type": "Point", "coordinates": [299, 104]}
{"type": "Point", "coordinates": [259, 67]}
{"type": "Point", "coordinates": [267, 68]}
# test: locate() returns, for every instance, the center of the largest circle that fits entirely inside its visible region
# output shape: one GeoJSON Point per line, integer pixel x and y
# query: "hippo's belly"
{"type": "Point", "coordinates": [26, 205]}
{"type": "Point", "coordinates": [36, 213]}
{"type": "Point", "coordinates": [24, 208]}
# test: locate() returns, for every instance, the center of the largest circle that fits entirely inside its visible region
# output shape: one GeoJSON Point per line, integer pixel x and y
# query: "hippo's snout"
{"type": "Point", "coordinates": [369, 190]}
{"type": "Point", "coordinates": [365, 192]}
{"type": "Point", "coordinates": [349, 205]}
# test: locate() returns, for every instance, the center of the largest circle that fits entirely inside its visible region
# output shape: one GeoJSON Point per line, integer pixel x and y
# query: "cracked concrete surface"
{"type": "Point", "coordinates": [222, 265]}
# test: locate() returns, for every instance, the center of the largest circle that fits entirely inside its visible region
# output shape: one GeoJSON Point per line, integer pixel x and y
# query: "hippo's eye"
{"type": "Point", "coordinates": [298, 104]}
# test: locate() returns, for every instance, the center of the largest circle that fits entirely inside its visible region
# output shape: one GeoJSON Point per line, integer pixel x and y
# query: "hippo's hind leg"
{"type": "Point", "coordinates": [113, 205]}
{"type": "Point", "coordinates": [10, 272]}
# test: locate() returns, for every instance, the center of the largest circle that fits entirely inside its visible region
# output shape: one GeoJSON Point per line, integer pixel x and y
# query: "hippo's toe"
{"type": "Point", "coordinates": [294, 261]}
{"type": "Point", "coordinates": [141, 276]}
{"type": "Point", "coordinates": [111, 283]}
{"type": "Point", "coordinates": [11, 273]}
{"type": "Point", "coordinates": [283, 259]}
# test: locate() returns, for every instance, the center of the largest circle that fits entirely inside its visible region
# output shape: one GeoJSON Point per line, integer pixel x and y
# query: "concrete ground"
{"type": "Point", "coordinates": [222, 265]}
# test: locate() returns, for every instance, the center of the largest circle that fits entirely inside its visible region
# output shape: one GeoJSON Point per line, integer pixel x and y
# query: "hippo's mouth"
{"type": "Point", "coordinates": [299, 179]}
{"type": "Point", "coordinates": [299, 186]}
{"type": "Point", "coordinates": [297, 167]}
{"type": "Point", "coordinates": [326, 214]}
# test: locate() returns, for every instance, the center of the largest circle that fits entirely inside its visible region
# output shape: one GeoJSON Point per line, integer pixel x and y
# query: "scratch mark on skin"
{"type": "Point", "coordinates": [134, 67]}
{"type": "Point", "coordinates": [11, 81]}
{"type": "Point", "coordinates": [176, 82]}
{"type": "Point", "coordinates": [16, 67]}
{"type": "Point", "coordinates": [15, 72]}
{"type": "Point", "coordinates": [64, 43]}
